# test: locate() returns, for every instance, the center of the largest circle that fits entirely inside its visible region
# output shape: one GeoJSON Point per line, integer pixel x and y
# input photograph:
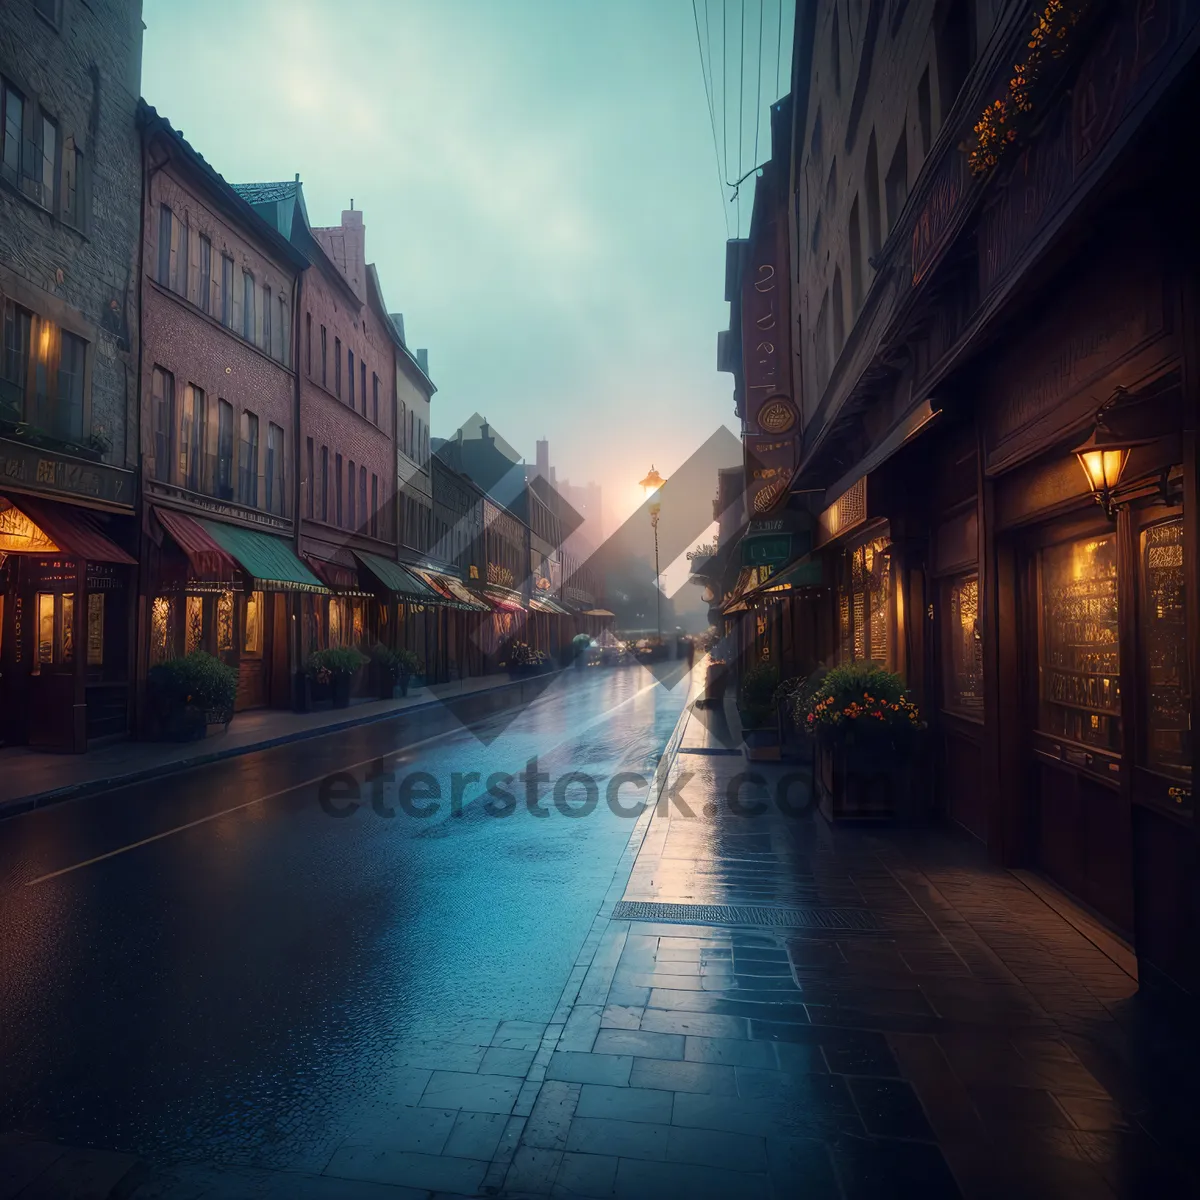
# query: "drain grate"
{"type": "Point", "coordinates": [743, 914]}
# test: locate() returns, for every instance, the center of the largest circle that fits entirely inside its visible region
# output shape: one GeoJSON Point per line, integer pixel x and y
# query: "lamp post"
{"type": "Point", "coordinates": [650, 485]}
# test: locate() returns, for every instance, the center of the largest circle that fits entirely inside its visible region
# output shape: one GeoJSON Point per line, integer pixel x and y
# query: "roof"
{"type": "Point", "coordinates": [227, 196]}
{"type": "Point", "coordinates": [267, 193]}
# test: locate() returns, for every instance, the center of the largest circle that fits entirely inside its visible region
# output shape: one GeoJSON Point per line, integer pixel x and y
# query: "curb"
{"type": "Point", "coordinates": [90, 787]}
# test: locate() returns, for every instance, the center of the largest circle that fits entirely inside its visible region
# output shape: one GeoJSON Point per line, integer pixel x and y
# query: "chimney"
{"type": "Point", "coordinates": [485, 433]}
{"type": "Point", "coordinates": [355, 236]}
{"type": "Point", "coordinates": [543, 459]}
{"type": "Point", "coordinates": [423, 360]}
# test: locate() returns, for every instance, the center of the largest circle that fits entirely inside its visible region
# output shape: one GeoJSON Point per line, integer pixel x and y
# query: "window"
{"type": "Point", "coordinates": [412, 431]}
{"type": "Point", "coordinates": [204, 295]}
{"type": "Point", "coordinates": [350, 362]}
{"type": "Point", "coordinates": [856, 271]}
{"type": "Point", "coordinates": [252, 636]}
{"type": "Point", "coordinates": [224, 480]}
{"type": "Point", "coordinates": [275, 453]}
{"type": "Point", "coordinates": [337, 367]}
{"type": "Point", "coordinates": [193, 624]}
{"type": "Point", "coordinates": [362, 390]}
{"type": "Point", "coordinates": [1166, 683]}
{"type": "Point", "coordinates": [267, 342]}
{"type": "Point", "coordinates": [1080, 661]}
{"type": "Point", "coordinates": [165, 235]}
{"type": "Point", "coordinates": [282, 329]}
{"type": "Point", "coordinates": [375, 398]}
{"type": "Point", "coordinates": [374, 505]}
{"type": "Point", "coordinates": [14, 371]}
{"type": "Point", "coordinates": [179, 252]}
{"type": "Point", "coordinates": [193, 438]}
{"type": "Point", "coordinates": [224, 620]}
{"type": "Point", "coordinates": [325, 483]}
{"type": "Point", "coordinates": [310, 479]}
{"type": "Point", "coordinates": [925, 113]}
{"type": "Point", "coordinates": [72, 200]}
{"type": "Point", "coordinates": [49, 172]}
{"type": "Point", "coordinates": [249, 324]}
{"type": "Point", "coordinates": [308, 344]}
{"type": "Point", "coordinates": [13, 132]}
{"type": "Point", "coordinates": [227, 291]}
{"type": "Point", "coordinates": [162, 421]}
{"type": "Point", "coordinates": [896, 184]}
{"type": "Point", "coordinates": [337, 481]}
{"type": "Point", "coordinates": [162, 629]}
{"type": "Point", "coordinates": [95, 629]}
{"type": "Point", "coordinates": [324, 348]}
{"type": "Point", "coordinates": [863, 609]}
{"type": "Point", "coordinates": [874, 237]}
{"type": "Point", "coordinates": [248, 461]}
{"type": "Point", "coordinates": [72, 351]}
{"type": "Point", "coordinates": [963, 683]}
{"type": "Point", "coordinates": [403, 432]}
{"type": "Point", "coordinates": [362, 494]}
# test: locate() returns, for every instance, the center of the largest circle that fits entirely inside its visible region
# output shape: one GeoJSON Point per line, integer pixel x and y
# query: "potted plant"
{"type": "Point", "coordinates": [524, 660]}
{"type": "Point", "coordinates": [866, 731]}
{"type": "Point", "coordinates": [790, 697]}
{"type": "Point", "coordinates": [189, 694]}
{"type": "Point", "coordinates": [393, 667]}
{"type": "Point", "coordinates": [756, 710]}
{"type": "Point", "coordinates": [330, 672]}
{"type": "Point", "coordinates": [581, 643]}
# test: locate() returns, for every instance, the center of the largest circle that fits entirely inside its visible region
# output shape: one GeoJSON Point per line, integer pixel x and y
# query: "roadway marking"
{"type": "Point", "coordinates": [437, 737]}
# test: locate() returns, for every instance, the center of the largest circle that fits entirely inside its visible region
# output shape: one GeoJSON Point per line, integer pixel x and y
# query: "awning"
{"type": "Point", "coordinates": [447, 590]}
{"type": "Point", "coordinates": [744, 582]}
{"type": "Point", "coordinates": [503, 600]}
{"type": "Point", "coordinates": [599, 612]}
{"type": "Point", "coordinates": [899, 436]}
{"type": "Point", "coordinates": [73, 531]}
{"type": "Point", "coordinates": [397, 580]}
{"type": "Point", "coordinates": [339, 576]}
{"type": "Point", "coordinates": [544, 604]}
{"type": "Point", "coordinates": [208, 561]}
{"type": "Point", "coordinates": [806, 571]}
{"type": "Point", "coordinates": [268, 560]}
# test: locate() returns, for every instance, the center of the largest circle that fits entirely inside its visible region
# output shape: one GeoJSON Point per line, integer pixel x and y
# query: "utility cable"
{"type": "Point", "coordinates": [712, 120]}
{"type": "Point", "coordinates": [778, 49]}
{"type": "Point", "coordinates": [741, 98]}
{"type": "Point", "coordinates": [758, 86]}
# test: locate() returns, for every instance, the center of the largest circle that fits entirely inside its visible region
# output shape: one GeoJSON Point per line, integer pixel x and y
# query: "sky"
{"type": "Point", "coordinates": [540, 184]}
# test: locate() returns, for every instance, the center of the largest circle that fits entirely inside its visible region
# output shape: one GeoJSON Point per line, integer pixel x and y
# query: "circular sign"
{"type": "Point", "coordinates": [777, 415]}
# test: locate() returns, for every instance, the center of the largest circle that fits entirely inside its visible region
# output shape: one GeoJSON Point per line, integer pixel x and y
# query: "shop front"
{"type": "Point", "coordinates": [458, 638]}
{"type": "Point", "coordinates": [64, 627]}
{"type": "Point", "coordinates": [234, 592]}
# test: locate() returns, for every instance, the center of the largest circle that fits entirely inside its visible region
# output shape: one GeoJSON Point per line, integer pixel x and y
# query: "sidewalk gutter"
{"type": "Point", "coordinates": [89, 787]}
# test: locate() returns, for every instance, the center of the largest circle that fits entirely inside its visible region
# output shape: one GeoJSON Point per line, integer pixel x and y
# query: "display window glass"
{"type": "Point", "coordinates": [1080, 657]}
{"type": "Point", "coordinates": [1166, 685]}
{"type": "Point", "coordinates": [863, 603]}
{"type": "Point", "coordinates": [963, 657]}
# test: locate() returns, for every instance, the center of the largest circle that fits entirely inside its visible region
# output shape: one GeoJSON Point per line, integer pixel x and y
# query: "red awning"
{"type": "Point", "coordinates": [502, 602]}
{"type": "Point", "coordinates": [335, 575]}
{"type": "Point", "coordinates": [76, 531]}
{"type": "Point", "coordinates": [208, 560]}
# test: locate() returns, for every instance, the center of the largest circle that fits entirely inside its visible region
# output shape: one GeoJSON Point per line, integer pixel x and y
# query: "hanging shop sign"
{"type": "Point", "coordinates": [766, 550]}
{"type": "Point", "coordinates": [772, 421]}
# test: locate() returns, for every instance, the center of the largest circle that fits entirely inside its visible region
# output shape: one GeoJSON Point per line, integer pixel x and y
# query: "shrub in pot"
{"type": "Point", "coordinates": [581, 643]}
{"type": "Point", "coordinates": [394, 667]}
{"type": "Point", "coordinates": [866, 731]}
{"type": "Point", "coordinates": [760, 725]}
{"type": "Point", "coordinates": [330, 672]}
{"type": "Point", "coordinates": [190, 693]}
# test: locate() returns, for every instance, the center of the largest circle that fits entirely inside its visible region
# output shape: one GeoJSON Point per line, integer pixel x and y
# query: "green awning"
{"type": "Point", "coordinates": [807, 571]}
{"type": "Point", "coordinates": [269, 560]}
{"type": "Point", "coordinates": [396, 579]}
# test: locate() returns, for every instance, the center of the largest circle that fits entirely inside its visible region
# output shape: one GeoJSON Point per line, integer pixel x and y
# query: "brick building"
{"type": "Point", "coordinates": [70, 76]}
{"type": "Point", "coordinates": [219, 287]}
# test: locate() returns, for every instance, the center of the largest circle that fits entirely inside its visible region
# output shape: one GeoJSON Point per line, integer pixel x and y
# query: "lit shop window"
{"type": "Point", "coordinates": [252, 642]}
{"type": "Point", "coordinates": [162, 614]}
{"type": "Point", "coordinates": [964, 649]}
{"type": "Point", "coordinates": [194, 624]}
{"type": "Point", "coordinates": [225, 621]}
{"type": "Point", "coordinates": [863, 602]}
{"type": "Point", "coordinates": [95, 629]}
{"type": "Point", "coordinates": [55, 628]}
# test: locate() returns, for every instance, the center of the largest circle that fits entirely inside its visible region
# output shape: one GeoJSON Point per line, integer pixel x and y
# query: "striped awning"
{"type": "Point", "coordinates": [503, 600]}
{"type": "Point", "coordinates": [73, 530]}
{"type": "Point", "coordinates": [340, 574]}
{"type": "Point", "coordinates": [401, 583]}
{"type": "Point", "coordinates": [546, 604]}
{"type": "Point", "coordinates": [206, 558]}
{"type": "Point", "coordinates": [449, 591]}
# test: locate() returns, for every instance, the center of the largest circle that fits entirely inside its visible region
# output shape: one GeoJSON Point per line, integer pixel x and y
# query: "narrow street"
{"type": "Point", "coordinates": [245, 975]}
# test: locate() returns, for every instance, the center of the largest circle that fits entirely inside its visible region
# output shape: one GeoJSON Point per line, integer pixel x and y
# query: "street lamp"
{"type": "Point", "coordinates": [1104, 455]}
{"type": "Point", "coordinates": [650, 485]}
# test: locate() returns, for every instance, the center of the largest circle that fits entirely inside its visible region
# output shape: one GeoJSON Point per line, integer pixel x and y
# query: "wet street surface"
{"type": "Point", "coordinates": [701, 1002]}
{"type": "Point", "coordinates": [247, 986]}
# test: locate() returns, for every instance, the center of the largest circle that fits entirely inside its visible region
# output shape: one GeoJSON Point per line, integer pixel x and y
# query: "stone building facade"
{"type": "Point", "coordinates": [70, 74]}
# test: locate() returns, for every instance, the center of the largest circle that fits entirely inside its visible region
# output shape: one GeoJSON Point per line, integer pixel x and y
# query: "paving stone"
{"type": "Point", "coordinates": [765, 1117]}
{"type": "Point", "coordinates": [683, 1077]}
{"type": "Point", "coordinates": [475, 1093]}
{"type": "Point", "coordinates": [717, 1148]}
{"type": "Point", "coordinates": [504, 1060]}
{"type": "Point", "coordinates": [732, 1052]}
{"type": "Point", "coordinates": [475, 1135]}
{"type": "Point", "coordinates": [77, 1174]}
{"type": "Point", "coordinates": [643, 1043]}
{"type": "Point", "coordinates": [592, 1175]}
{"type": "Point", "coordinates": [581, 1028]}
{"type": "Point", "coordinates": [620, 1139]}
{"type": "Point", "coordinates": [610, 1069]}
{"type": "Point", "coordinates": [702, 1024]}
{"type": "Point", "coordinates": [424, 1130]}
{"type": "Point", "coordinates": [881, 1169]}
{"type": "Point", "coordinates": [519, 1035]}
{"type": "Point", "coordinates": [533, 1171]}
{"type": "Point", "coordinates": [678, 1181]}
{"type": "Point", "coordinates": [441, 1056]}
{"type": "Point", "coordinates": [551, 1116]}
{"type": "Point", "coordinates": [624, 1103]}
{"type": "Point", "coordinates": [434, 1172]}
{"type": "Point", "coordinates": [621, 1016]}
{"type": "Point", "coordinates": [890, 1108]}
{"type": "Point", "coordinates": [802, 1167]}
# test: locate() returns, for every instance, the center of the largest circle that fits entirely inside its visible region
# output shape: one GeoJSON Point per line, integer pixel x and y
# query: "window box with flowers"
{"type": "Point", "coordinates": [867, 733]}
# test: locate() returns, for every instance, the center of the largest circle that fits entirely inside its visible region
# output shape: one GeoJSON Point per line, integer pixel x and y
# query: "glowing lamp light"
{"type": "Point", "coordinates": [652, 482]}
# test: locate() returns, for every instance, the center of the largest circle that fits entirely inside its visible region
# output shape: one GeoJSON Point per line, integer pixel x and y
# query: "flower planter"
{"type": "Point", "coordinates": [859, 787]}
{"type": "Point", "coordinates": [339, 691]}
{"type": "Point", "coordinates": [184, 725]}
{"type": "Point", "coordinates": [301, 695]}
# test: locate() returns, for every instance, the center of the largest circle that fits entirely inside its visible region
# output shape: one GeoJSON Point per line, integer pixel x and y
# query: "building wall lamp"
{"type": "Point", "coordinates": [1105, 455]}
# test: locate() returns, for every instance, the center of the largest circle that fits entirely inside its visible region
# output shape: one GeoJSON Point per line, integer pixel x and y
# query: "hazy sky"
{"type": "Point", "coordinates": [538, 181]}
